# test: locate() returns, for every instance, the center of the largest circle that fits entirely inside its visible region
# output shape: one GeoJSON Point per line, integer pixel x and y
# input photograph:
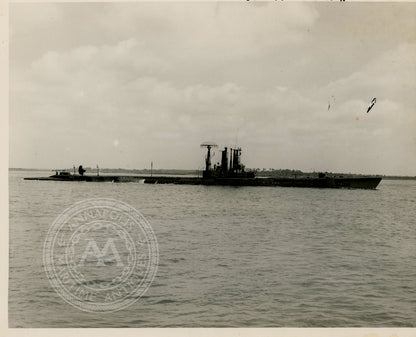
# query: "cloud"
{"type": "Point", "coordinates": [161, 78]}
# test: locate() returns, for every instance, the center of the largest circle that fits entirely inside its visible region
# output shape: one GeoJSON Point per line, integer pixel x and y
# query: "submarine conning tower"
{"type": "Point", "coordinates": [227, 169]}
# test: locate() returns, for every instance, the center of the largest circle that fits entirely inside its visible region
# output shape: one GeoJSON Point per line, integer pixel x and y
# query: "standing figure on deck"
{"type": "Point", "coordinates": [81, 170]}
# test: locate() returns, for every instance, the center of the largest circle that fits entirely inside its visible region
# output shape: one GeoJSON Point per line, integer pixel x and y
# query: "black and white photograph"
{"type": "Point", "coordinates": [236, 164]}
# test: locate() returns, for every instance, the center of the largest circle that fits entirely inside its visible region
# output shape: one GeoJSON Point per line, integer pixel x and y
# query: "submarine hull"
{"type": "Point", "coordinates": [352, 183]}
{"type": "Point", "coordinates": [77, 178]}
{"type": "Point", "coordinates": [327, 182]}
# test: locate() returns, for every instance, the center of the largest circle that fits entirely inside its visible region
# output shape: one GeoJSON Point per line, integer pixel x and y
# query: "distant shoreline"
{"type": "Point", "coordinates": [268, 173]}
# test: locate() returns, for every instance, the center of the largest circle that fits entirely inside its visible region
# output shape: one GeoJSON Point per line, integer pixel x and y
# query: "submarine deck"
{"type": "Point", "coordinates": [327, 182]}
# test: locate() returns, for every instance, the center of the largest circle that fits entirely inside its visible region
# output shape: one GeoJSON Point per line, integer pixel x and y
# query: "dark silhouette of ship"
{"type": "Point", "coordinates": [230, 172]}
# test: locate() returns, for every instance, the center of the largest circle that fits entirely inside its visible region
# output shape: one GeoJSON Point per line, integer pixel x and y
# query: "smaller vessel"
{"type": "Point", "coordinates": [67, 176]}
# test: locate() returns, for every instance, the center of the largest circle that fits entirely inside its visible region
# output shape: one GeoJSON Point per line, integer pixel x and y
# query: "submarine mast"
{"type": "Point", "coordinates": [208, 145]}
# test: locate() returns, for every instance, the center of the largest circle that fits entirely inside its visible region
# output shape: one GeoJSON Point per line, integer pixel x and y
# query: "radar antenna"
{"type": "Point", "coordinates": [208, 145]}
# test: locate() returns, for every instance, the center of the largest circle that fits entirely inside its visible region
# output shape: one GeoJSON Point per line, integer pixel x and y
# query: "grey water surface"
{"type": "Point", "coordinates": [235, 256]}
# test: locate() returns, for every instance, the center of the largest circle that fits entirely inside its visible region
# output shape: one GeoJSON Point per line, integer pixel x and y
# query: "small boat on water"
{"type": "Point", "coordinates": [230, 172]}
{"type": "Point", "coordinates": [67, 176]}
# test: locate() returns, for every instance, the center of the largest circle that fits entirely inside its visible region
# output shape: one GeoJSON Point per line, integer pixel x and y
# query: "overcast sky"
{"type": "Point", "coordinates": [121, 85]}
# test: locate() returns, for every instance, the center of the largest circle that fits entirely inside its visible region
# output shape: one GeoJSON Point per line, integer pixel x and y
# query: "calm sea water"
{"type": "Point", "coordinates": [235, 256]}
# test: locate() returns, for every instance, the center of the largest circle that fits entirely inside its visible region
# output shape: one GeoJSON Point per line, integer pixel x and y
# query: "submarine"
{"type": "Point", "coordinates": [230, 172]}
